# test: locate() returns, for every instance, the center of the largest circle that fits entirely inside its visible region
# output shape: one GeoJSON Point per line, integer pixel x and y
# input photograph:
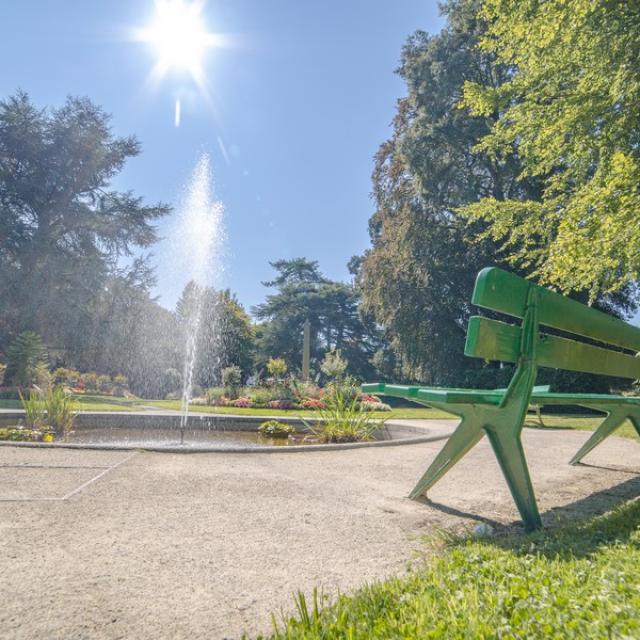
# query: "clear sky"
{"type": "Point", "coordinates": [300, 99]}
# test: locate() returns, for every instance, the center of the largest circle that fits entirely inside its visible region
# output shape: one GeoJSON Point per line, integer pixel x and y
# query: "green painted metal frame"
{"type": "Point", "coordinates": [501, 423]}
{"type": "Point", "coordinates": [501, 414]}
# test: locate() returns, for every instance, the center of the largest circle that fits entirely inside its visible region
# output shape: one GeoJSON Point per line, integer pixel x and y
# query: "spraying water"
{"type": "Point", "coordinates": [201, 238]}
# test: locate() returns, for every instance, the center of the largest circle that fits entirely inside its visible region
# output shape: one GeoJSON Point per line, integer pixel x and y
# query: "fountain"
{"type": "Point", "coordinates": [200, 241]}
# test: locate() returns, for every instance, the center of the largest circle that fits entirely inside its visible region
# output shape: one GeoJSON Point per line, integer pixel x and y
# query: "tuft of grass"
{"type": "Point", "coordinates": [581, 580]}
{"type": "Point", "coordinates": [34, 409]}
{"type": "Point", "coordinates": [61, 410]}
{"type": "Point", "coordinates": [344, 420]}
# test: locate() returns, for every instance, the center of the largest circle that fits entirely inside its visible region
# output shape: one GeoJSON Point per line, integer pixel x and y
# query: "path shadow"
{"type": "Point", "coordinates": [576, 515]}
{"type": "Point", "coordinates": [459, 513]}
{"type": "Point", "coordinates": [634, 472]}
{"type": "Point", "coordinates": [595, 504]}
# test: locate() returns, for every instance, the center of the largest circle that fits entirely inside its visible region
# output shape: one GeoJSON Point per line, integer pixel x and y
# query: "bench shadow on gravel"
{"type": "Point", "coordinates": [573, 524]}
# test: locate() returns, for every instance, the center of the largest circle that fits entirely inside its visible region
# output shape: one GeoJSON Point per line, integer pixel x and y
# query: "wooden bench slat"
{"type": "Point", "coordinates": [495, 340]}
{"type": "Point", "coordinates": [506, 292]}
{"type": "Point", "coordinates": [541, 395]}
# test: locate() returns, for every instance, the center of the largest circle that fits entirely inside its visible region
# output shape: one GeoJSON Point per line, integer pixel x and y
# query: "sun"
{"type": "Point", "coordinates": [179, 37]}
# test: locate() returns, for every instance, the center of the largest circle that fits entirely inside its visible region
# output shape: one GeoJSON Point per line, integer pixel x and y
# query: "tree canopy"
{"type": "Point", "coordinates": [418, 276]}
{"type": "Point", "coordinates": [569, 110]}
{"type": "Point", "coordinates": [63, 227]}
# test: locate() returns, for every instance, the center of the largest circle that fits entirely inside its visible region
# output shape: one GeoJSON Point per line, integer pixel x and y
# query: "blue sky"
{"type": "Point", "coordinates": [301, 101]}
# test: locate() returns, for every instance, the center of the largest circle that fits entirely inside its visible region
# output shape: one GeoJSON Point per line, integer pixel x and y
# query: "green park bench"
{"type": "Point", "coordinates": [500, 413]}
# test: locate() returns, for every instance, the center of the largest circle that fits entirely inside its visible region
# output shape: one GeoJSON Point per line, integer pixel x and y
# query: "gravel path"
{"type": "Point", "coordinates": [207, 545]}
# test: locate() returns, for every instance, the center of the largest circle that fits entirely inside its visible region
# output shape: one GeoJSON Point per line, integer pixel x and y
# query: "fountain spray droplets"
{"type": "Point", "coordinates": [198, 244]}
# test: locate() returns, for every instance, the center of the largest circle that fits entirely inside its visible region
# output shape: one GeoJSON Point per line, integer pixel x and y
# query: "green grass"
{"type": "Point", "coordinates": [581, 580]}
{"type": "Point", "coordinates": [581, 423]}
{"type": "Point", "coordinates": [89, 403]}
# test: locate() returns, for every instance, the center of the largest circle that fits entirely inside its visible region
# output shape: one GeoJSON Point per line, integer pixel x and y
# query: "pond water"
{"type": "Point", "coordinates": [131, 437]}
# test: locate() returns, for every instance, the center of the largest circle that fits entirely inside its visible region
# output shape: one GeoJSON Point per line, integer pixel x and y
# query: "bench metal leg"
{"type": "Point", "coordinates": [510, 454]}
{"type": "Point", "coordinates": [610, 424]}
{"type": "Point", "coordinates": [466, 435]}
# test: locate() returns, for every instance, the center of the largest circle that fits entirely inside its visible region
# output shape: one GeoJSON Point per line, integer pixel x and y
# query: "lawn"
{"type": "Point", "coordinates": [578, 581]}
{"type": "Point", "coordinates": [89, 403]}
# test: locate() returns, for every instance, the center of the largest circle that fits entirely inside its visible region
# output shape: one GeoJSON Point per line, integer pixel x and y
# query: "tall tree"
{"type": "Point", "coordinates": [225, 335]}
{"type": "Point", "coordinates": [418, 276]}
{"type": "Point", "coordinates": [570, 110]}
{"type": "Point", "coordinates": [332, 308]}
{"type": "Point", "coordinates": [64, 228]}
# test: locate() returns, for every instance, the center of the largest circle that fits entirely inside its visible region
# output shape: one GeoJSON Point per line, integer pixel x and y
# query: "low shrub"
{"type": "Point", "coordinates": [262, 396]}
{"type": "Point", "coordinates": [313, 403]}
{"type": "Point", "coordinates": [275, 429]}
{"type": "Point", "coordinates": [232, 381]}
{"type": "Point", "coordinates": [105, 384]}
{"type": "Point", "coordinates": [284, 405]}
{"type": "Point", "coordinates": [21, 434]}
{"type": "Point", "coordinates": [65, 376]}
{"type": "Point", "coordinates": [365, 397]}
{"type": "Point", "coordinates": [90, 381]}
{"type": "Point", "coordinates": [213, 395]}
{"type": "Point", "coordinates": [243, 403]}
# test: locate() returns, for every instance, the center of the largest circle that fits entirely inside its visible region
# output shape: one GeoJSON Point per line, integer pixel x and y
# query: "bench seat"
{"type": "Point", "coordinates": [540, 396]}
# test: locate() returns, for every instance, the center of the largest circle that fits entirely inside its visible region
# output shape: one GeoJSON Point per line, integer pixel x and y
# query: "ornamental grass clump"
{"type": "Point", "coordinates": [34, 409]}
{"type": "Point", "coordinates": [61, 410]}
{"type": "Point", "coordinates": [343, 419]}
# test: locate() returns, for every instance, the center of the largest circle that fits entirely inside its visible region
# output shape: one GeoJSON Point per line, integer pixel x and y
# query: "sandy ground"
{"type": "Point", "coordinates": [207, 545]}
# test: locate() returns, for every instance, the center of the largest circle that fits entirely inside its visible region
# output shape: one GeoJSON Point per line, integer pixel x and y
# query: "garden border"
{"type": "Point", "coordinates": [434, 431]}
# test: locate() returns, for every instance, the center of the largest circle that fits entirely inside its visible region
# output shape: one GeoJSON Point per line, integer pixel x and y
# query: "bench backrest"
{"type": "Point", "coordinates": [509, 294]}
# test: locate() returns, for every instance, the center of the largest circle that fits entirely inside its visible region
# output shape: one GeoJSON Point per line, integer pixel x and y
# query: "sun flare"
{"type": "Point", "coordinates": [179, 37]}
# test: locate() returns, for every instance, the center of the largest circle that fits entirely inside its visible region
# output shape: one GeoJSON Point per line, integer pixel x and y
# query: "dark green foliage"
{"type": "Point", "coordinates": [26, 357]}
{"type": "Point", "coordinates": [418, 276]}
{"type": "Point", "coordinates": [64, 228]}
{"type": "Point", "coordinates": [332, 308]}
{"type": "Point", "coordinates": [225, 338]}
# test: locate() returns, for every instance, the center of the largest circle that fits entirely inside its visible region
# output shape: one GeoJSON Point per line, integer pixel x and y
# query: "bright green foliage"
{"type": "Point", "coordinates": [570, 110]}
{"type": "Point", "coordinates": [276, 429]}
{"type": "Point", "coordinates": [579, 581]}
{"type": "Point", "coordinates": [26, 360]}
{"type": "Point", "coordinates": [277, 367]}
